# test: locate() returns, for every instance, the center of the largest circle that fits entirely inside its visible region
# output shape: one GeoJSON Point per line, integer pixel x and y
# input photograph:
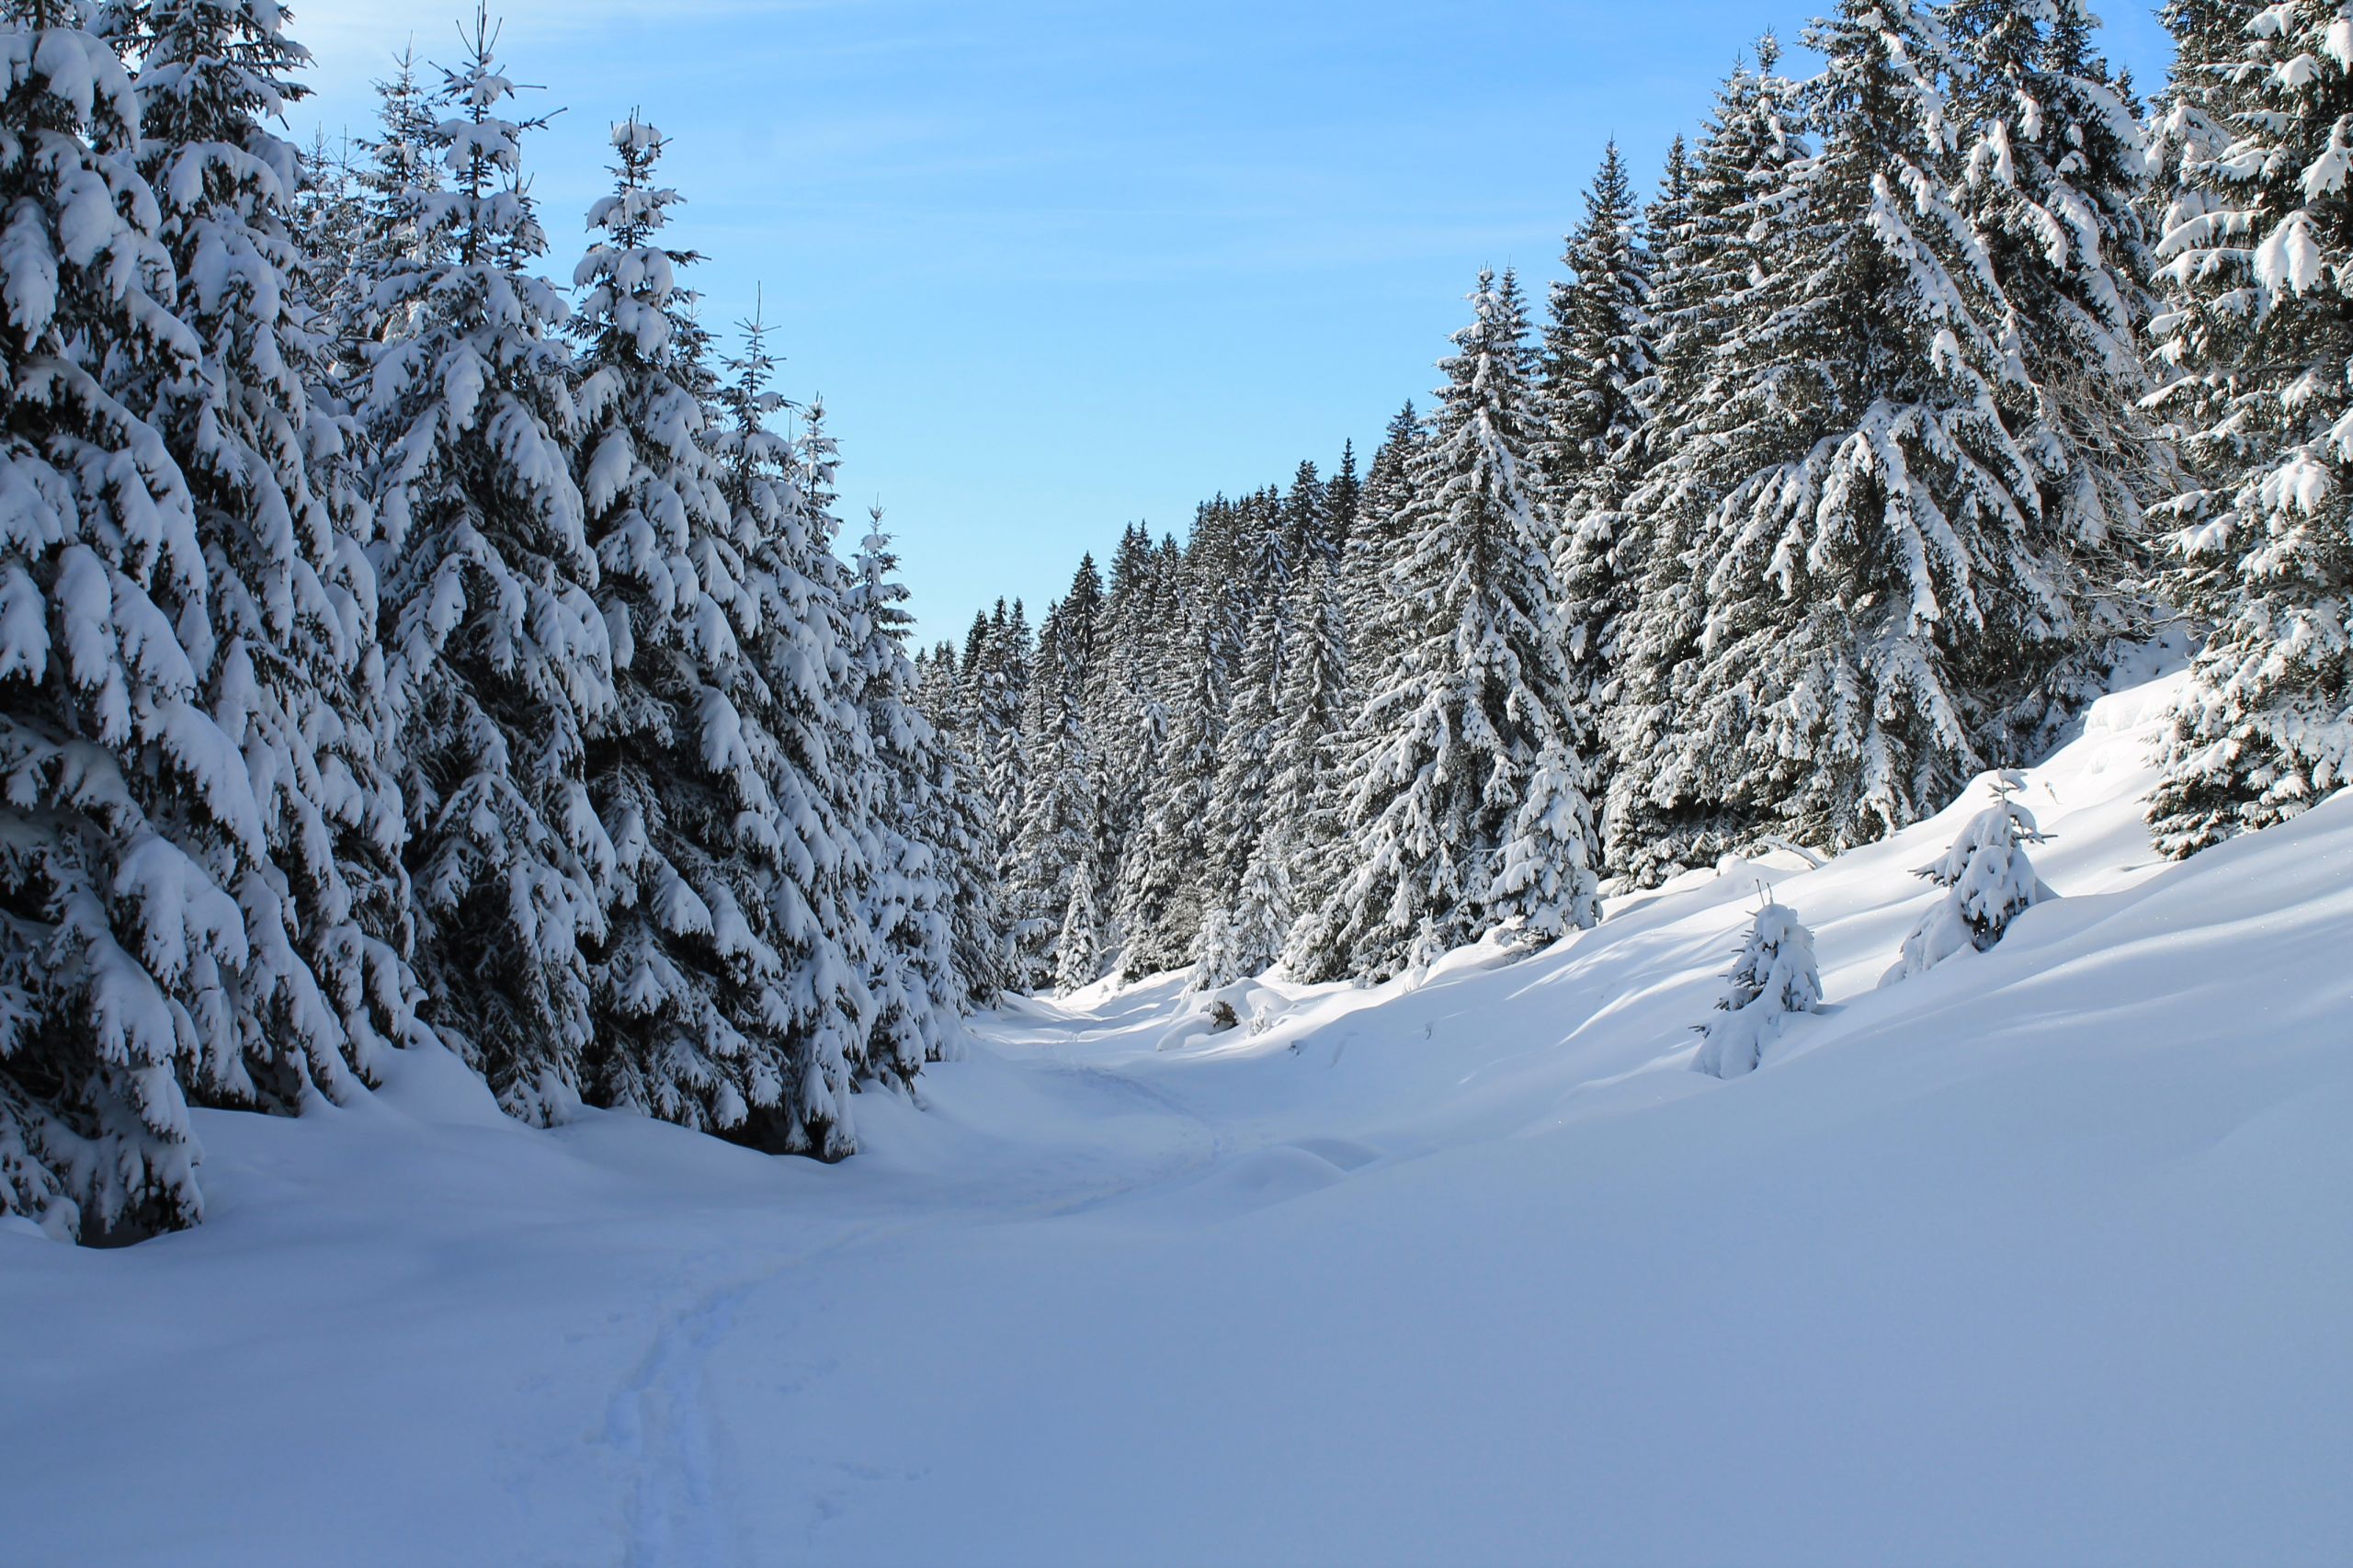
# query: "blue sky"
{"type": "Point", "coordinates": [1058, 265]}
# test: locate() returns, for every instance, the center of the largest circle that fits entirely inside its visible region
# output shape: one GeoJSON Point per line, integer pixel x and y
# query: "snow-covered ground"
{"type": "Point", "coordinates": [2044, 1257]}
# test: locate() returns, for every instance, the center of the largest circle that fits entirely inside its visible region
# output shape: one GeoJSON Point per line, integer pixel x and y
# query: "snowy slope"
{"type": "Point", "coordinates": [2040, 1257]}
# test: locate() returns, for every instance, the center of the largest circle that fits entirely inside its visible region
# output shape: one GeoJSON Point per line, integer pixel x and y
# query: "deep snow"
{"type": "Point", "coordinates": [2042, 1256]}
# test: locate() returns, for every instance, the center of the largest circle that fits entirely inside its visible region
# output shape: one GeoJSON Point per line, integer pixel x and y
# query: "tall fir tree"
{"type": "Point", "coordinates": [2257, 331]}
{"type": "Point", "coordinates": [1466, 811]}
{"type": "Point", "coordinates": [501, 661]}
{"type": "Point", "coordinates": [295, 678]}
{"type": "Point", "coordinates": [130, 817]}
{"type": "Point", "coordinates": [683, 977]}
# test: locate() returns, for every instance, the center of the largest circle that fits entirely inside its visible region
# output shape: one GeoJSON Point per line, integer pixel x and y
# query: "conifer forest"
{"type": "Point", "coordinates": [439, 665]}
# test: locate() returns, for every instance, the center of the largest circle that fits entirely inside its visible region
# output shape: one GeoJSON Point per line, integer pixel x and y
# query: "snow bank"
{"type": "Point", "coordinates": [2037, 1256]}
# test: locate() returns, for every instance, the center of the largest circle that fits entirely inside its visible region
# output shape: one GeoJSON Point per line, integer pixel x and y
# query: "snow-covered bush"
{"type": "Point", "coordinates": [1987, 881]}
{"type": "Point", "coordinates": [1774, 977]}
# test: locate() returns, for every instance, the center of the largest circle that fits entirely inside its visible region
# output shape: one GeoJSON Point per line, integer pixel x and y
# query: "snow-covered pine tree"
{"type": "Point", "coordinates": [1988, 882]}
{"type": "Point", "coordinates": [1343, 496]}
{"type": "Point", "coordinates": [1237, 813]}
{"type": "Point", "coordinates": [966, 833]}
{"type": "Point", "coordinates": [1774, 977]}
{"type": "Point", "coordinates": [394, 234]}
{"type": "Point", "coordinates": [1377, 544]}
{"type": "Point", "coordinates": [802, 722]}
{"type": "Point", "coordinates": [1598, 367]}
{"type": "Point", "coordinates": [682, 975]}
{"type": "Point", "coordinates": [2055, 173]}
{"type": "Point", "coordinates": [1303, 845]}
{"type": "Point", "coordinates": [1714, 256]}
{"type": "Point", "coordinates": [1597, 353]}
{"type": "Point", "coordinates": [1127, 717]}
{"type": "Point", "coordinates": [1472, 726]}
{"type": "Point", "coordinates": [1162, 889]}
{"type": "Point", "coordinates": [1077, 951]}
{"type": "Point", "coordinates": [910, 898]}
{"type": "Point", "coordinates": [293, 675]}
{"type": "Point", "coordinates": [1877, 582]}
{"type": "Point", "coordinates": [129, 817]}
{"type": "Point", "coordinates": [1056, 830]}
{"type": "Point", "coordinates": [2259, 332]}
{"type": "Point", "coordinates": [500, 657]}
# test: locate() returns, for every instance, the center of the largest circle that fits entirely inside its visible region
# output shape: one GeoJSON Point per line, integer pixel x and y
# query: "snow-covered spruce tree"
{"type": "Point", "coordinates": [965, 840]}
{"type": "Point", "coordinates": [910, 899]}
{"type": "Point", "coordinates": [801, 719]}
{"type": "Point", "coordinates": [1377, 544]}
{"type": "Point", "coordinates": [1877, 583]}
{"type": "Point", "coordinates": [1127, 717]}
{"type": "Point", "coordinates": [500, 656]}
{"type": "Point", "coordinates": [129, 820]}
{"type": "Point", "coordinates": [1162, 889]}
{"type": "Point", "coordinates": [294, 676]}
{"type": "Point", "coordinates": [1237, 801]}
{"type": "Point", "coordinates": [683, 976]}
{"type": "Point", "coordinates": [366, 305]}
{"type": "Point", "coordinates": [1465, 809]}
{"type": "Point", "coordinates": [1773, 978]}
{"type": "Point", "coordinates": [1057, 829]}
{"type": "Point", "coordinates": [1373, 610]}
{"type": "Point", "coordinates": [2055, 171]}
{"type": "Point", "coordinates": [1315, 706]}
{"type": "Point", "coordinates": [1714, 238]}
{"type": "Point", "coordinates": [1988, 882]}
{"type": "Point", "coordinates": [2259, 329]}
{"type": "Point", "coordinates": [1077, 951]}
{"type": "Point", "coordinates": [1598, 367]}
{"type": "Point", "coordinates": [1596, 352]}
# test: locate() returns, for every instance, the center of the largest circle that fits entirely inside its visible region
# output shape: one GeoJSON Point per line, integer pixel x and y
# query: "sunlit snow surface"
{"type": "Point", "coordinates": [2043, 1256]}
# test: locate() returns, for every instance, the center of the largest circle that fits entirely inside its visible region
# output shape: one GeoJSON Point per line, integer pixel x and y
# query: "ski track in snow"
{"type": "Point", "coordinates": [681, 1507]}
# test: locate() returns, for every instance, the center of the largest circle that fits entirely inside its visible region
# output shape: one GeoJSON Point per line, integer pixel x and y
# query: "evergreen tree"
{"type": "Point", "coordinates": [294, 677]}
{"type": "Point", "coordinates": [1877, 581]}
{"type": "Point", "coordinates": [1715, 235]}
{"type": "Point", "coordinates": [910, 904]}
{"type": "Point", "coordinates": [1774, 977]}
{"type": "Point", "coordinates": [1472, 725]}
{"type": "Point", "coordinates": [1988, 882]}
{"type": "Point", "coordinates": [803, 732]}
{"type": "Point", "coordinates": [2054, 182]}
{"type": "Point", "coordinates": [683, 978]}
{"type": "Point", "coordinates": [2259, 331]}
{"type": "Point", "coordinates": [130, 818]}
{"type": "Point", "coordinates": [1599, 366]}
{"type": "Point", "coordinates": [1077, 955]}
{"type": "Point", "coordinates": [500, 657]}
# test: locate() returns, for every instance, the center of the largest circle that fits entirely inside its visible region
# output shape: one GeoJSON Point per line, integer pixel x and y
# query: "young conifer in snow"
{"type": "Point", "coordinates": [1474, 721]}
{"type": "Point", "coordinates": [1988, 882]}
{"type": "Point", "coordinates": [1057, 827]}
{"type": "Point", "coordinates": [2258, 328]}
{"type": "Point", "coordinates": [294, 676]}
{"type": "Point", "coordinates": [500, 657]}
{"type": "Point", "coordinates": [678, 978]}
{"type": "Point", "coordinates": [1773, 977]}
{"type": "Point", "coordinates": [129, 817]}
